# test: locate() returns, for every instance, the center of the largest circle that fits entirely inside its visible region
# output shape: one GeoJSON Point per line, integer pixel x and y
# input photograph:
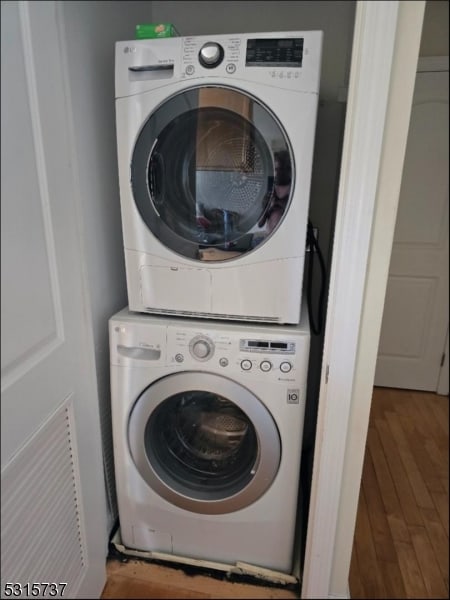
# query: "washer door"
{"type": "Point", "coordinates": [204, 442]}
{"type": "Point", "coordinates": [211, 173]}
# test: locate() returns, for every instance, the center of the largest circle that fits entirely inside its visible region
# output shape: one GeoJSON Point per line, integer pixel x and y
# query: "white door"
{"type": "Point", "coordinates": [415, 318]}
{"type": "Point", "coordinates": [53, 512]}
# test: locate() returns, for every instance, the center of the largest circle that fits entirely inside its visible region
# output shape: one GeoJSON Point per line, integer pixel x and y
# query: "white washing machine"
{"type": "Point", "coordinates": [215, 140]}
{"type": "Point", "coordinates": [207, 429]}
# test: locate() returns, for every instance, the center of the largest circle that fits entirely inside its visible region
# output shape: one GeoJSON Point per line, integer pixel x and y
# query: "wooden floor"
{"type": "Point", "coordinates": [401, 537]}
{"type": "Point", "coordinates": [137, 579]}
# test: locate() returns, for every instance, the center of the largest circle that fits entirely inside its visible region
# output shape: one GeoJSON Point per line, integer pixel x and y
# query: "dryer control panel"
{"type": "Point", "coordinates": [288, 59]}
{"type": "Point", "coordinates": [285, 56]}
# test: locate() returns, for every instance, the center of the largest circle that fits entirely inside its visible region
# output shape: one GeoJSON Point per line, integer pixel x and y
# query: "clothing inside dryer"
{"type": "Point", "coordinates": [201, 441]}
{"type": "Point", "coordinates": [204, 173]}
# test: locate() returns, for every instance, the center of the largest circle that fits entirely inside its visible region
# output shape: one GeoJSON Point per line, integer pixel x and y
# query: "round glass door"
{"type": "Point", "coordinates": [211, 173]}
{"type": "Point", "coordinates": [203, 442]}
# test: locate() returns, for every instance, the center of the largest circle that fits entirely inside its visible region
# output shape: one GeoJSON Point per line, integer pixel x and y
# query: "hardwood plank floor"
{"type": "Point", "coordinates": [401, 537]}
{"type": "Point", "coordinates": [401, 544]}
{"type": "Point", "coordinates": [137, 579]}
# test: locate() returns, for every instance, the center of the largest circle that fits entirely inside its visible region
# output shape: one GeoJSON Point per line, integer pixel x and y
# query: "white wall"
{"type": "Point", "coordinates": [394, 144]}
{"type": "Point", "coordinates": [91, 30]}
{"type": "Point", "coordinates": [435, 29]}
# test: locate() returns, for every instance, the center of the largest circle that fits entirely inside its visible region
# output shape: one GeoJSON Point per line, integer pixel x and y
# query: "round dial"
{"type": "Point", "coordinates": [211, 55]}
{"type": "Point", "coordinates": [202, 348]}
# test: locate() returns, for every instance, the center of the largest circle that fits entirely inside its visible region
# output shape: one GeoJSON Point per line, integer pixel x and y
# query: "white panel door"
{"type": "Point", "coordinates": [53, 511]}
{"type": "Point", "coordinates": [415, 318]}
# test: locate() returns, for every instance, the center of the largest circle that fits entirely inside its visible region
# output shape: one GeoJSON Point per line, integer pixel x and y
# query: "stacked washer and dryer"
{"type": "Point", "coordinates": [209, 361]}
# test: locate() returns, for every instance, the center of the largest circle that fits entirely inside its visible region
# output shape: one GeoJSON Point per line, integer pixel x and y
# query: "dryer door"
{"type": "Point", "coordinates": [204, 442]}
{"type": "Point", "coordinates": [211, 173]}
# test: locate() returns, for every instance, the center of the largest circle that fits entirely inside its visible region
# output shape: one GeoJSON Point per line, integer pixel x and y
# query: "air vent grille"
{"type": "Point", "coordinates": [41, 532]}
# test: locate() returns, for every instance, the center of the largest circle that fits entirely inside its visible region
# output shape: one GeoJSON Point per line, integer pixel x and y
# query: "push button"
{"type": "Point", "coordinates": [246, 365]}
{"type": "Point", "coordinates": [265, 366]}
{"type": "Point", "coordinates": [285, 367]}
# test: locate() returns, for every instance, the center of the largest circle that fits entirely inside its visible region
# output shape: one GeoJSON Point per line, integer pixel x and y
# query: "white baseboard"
{"type": "Point", "coordinates": [340, 596]}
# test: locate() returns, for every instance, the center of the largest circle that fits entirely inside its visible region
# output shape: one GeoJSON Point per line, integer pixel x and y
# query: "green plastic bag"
{"type": "Point", "coordinates": [155, 30]}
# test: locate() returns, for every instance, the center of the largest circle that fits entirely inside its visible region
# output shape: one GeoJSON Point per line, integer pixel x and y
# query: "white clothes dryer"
{"type": "Point", "coordinates": [207, 428]}
{"type": "Point", "coordinates": [215, 140]}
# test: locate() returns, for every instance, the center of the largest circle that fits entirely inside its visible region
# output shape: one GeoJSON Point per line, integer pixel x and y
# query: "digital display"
{"type": "Point", "coordinates": [267, 346]}
{"type": "Point", "coordinates": [258, 344]}
{"type": "Point", "coordinates": [278, 345]}
{"type": "Point", "coordinates": [286, 52]}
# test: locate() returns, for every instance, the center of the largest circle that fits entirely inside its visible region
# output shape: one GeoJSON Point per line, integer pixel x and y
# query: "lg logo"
{"type": "Point", "coordinates": [128, 49]}
{"type": "Point", "coordinates": [293, 396]}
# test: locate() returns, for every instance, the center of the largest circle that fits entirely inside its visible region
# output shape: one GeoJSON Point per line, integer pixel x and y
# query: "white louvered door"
{"type": "Point", "coordinates": [53, 511]}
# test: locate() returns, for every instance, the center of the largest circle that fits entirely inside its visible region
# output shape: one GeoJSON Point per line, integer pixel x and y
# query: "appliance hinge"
{"type": "Point", "coordinates": [443, 359]}
{"type": "Point", "coordinates": [327, 372]}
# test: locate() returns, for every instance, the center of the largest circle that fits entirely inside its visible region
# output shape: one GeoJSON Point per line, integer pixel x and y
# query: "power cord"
{"type": "Point", "coordinates": [314, 250]}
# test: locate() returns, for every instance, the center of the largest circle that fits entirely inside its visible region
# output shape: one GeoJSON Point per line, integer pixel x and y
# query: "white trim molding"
{"type": "Point", "coordinates": [372, 56]}
{"type": "Point", "coordinates": [384, 62]}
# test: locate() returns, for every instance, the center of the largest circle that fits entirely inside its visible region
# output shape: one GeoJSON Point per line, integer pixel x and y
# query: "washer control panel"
{"type": "Point", "coordinates": [255, 352]}
{"type": "Point", "coordinates": [271, 358]}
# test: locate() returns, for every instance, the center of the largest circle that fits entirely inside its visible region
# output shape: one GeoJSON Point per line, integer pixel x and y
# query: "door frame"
{"type": "Point", "coordinates": [425, 65]}
{"type": "Point", "coordinates": [384, 62]}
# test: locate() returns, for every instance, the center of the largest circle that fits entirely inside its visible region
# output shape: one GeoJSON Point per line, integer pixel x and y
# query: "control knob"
{"type": "Point", "coordinates": [211, 55]}
{"type": "Point", "coordinates": [202, 348]}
